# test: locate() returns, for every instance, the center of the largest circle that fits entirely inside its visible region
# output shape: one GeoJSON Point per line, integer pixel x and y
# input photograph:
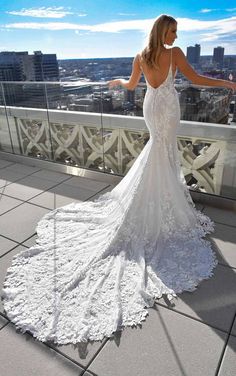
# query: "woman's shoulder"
{"type": "Point", "coordinates": [138, 59]}
{"type": "Point", "coordinates": [138, 56]}
{"type": "Point", "coordinates": [177, 51]}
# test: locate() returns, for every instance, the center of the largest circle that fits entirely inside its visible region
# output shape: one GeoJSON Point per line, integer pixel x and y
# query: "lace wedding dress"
{"type": "Point", "coordinates": [98, 265]}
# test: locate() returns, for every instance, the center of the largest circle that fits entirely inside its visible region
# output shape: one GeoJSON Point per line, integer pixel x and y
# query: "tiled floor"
{"type": "Point", "coordinates": [194, 336]}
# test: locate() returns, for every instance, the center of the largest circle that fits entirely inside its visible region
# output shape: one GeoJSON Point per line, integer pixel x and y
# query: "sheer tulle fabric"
{"type": "Point", "coordinates": [97, 266]}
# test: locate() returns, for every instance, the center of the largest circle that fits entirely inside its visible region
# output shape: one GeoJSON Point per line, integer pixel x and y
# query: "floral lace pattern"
{"type": "Point", "coordinates": [97, 266]}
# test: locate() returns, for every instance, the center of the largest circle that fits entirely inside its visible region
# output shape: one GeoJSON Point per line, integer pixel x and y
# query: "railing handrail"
{"type": "Point", "coordinates": [99, 83]}
{"type": "Point", "coordinates": [57, 82]}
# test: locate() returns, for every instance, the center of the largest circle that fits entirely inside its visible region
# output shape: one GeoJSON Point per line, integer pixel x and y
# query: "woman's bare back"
{"type": "Point", "coordinates": [155, 77]}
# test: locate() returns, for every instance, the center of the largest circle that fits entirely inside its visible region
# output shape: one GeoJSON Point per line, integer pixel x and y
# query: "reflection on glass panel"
{"type": "Point", "coordinates": [74, 96]}
{"type": "Point", "coordinates": [121, 148]}
{"type": "Point", "coordinates": [210, 105]}
{"type": "Point", "coordinates": [27, 118]}
{"type": "Point", "coordinates": [30, 95]}
{"type": "Point", "coordinates": [5, 139]}
{"type": "Point", "coordinates": [77, 144]}
{"type": "Point", "coordinates": [209, 165]}
{"type": "Point", "coordinates": [75, 125]}
{"type": "Point", "coordinates": [124, 102]}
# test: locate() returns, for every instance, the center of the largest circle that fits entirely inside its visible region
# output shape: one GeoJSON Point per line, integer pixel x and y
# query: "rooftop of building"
{"type": "Point", "coordinates": [195, 335]}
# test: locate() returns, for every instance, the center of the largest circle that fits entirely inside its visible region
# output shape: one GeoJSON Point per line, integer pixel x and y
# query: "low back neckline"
{"type": "Point", "coordinates": [169, 70]}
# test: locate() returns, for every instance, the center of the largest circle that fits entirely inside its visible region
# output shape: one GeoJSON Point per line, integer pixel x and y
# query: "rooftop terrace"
{"type": "Point", "coordinates": [194, 336]}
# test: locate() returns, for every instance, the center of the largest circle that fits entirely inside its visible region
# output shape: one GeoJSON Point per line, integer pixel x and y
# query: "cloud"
{"type": "Point", "coordinates": [43, 12]}
{"type": "Point", "coordinates": [54, 26]}
{"type": "Point", "coordinates": [230, 9]}
{"type": "Point", "coordinates": [208, 30]}
{"type": "Point", "coordinates": [126, 14]}
{"type": "Point", "coordinates": [107, 27]}
{"type": "Point", "coordinates": [207, 10]}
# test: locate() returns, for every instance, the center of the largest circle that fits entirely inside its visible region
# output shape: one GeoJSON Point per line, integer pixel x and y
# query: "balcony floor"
{"type": "Point", "coordinates": [194, 336]}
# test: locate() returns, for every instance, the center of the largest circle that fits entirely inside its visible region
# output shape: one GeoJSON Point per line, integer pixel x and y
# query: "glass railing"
{"type": "Point", "coordinates": [84, 124]}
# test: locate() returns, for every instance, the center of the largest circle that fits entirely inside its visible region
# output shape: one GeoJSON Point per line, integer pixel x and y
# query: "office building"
{"type": "Point", "coordinates": [20, 66]}
{"type": "Point", "coordinates": [193, 54]}
{"type": "Point", "coordinates": [218, 57]}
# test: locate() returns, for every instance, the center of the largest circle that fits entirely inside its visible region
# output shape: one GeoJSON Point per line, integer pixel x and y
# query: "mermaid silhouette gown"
{"type": "Point", "coordinates": [97, 266]}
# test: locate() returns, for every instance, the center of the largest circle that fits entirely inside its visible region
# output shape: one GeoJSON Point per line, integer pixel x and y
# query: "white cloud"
{"type": "Point", "coordinates": [107, 27]}
{"type": "Point", "coordinates": [126, 14]}
{"type": "Point", "coordinates": [43, 12]}
{"type": "Point", "coordinates": [118, 26]}
{"type": "Point", "coordinates": [207, 10]}
{"type": "Point", "coordinates": [209, 30]}
{"type": "Point", "coordinates": [54, 26]}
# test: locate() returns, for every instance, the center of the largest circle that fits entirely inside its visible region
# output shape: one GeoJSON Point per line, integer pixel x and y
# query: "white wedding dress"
{"type": "Point", "coordinates": [98, 265]}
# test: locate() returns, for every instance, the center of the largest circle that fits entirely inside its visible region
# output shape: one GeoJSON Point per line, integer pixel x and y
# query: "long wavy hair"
{"type": "Point", "coordinates": [150, 54]}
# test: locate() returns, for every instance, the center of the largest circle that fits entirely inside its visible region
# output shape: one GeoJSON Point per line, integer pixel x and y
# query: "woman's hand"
{"type": "Point", "coordinates": [114, 83]}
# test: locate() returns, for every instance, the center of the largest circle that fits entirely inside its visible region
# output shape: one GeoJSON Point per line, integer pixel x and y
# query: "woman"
{"type": "Point", "coordinates": [98, 265]}
{"type": "Point", "coordinates": [155, 59]}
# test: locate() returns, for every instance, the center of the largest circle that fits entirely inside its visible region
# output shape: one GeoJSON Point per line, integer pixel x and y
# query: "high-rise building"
{"type": "Point", "coordinates": [20, 66]}
{"type": "Point", "coordinates": [11, 70]}
{"type": "Point", "coordinates": [193, 54]}
{"type": "Point", "coordinates": [45, 67]}
{"type": "Point", "coordinates": [218, 56]}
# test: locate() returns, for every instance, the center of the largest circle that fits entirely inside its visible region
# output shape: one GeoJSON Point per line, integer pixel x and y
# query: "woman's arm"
{"type": "Point", "coordinates": [133, 80]}
{"type": "Point", "coordinates": [185, 68]}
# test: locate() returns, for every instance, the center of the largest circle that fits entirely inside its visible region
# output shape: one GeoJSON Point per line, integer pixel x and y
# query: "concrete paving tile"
{"type": "Point", "coordinates": [228, 365]}
{"type": "Point", "coordinates": [30, 242]}
{"type": "Point", "coordinates": [233, 332]}
{"type": "Point", "coordinates": [21, 354]}
{"type": "Point", "coordinates": [167, 344]}
{"type": "Point", "coordinates": [224, 238]}
{"type": "Point", "coordinates": [20, 223]}
{"type": "Point", "coordinates": [3, 322]}
{"type": "Point", "coordinates": [21, 168]}
{"type": "Point", "coordinates": [28, 187]}
{"type": "Point", "coordinates": [108, 189]}
{"type": "Point", "coordinates": [6, 245]}
{"type": "Point", "coordinates": [4, 163]}
{"type": "Point", "coordinates": [213, 302]}
{"type": "Point", "coordinates": [61, 195]}
{"type": "Point", "coordinates": [81, 182]}
{"type": "Point", "coordinates": [226, 217]}
{"type": "Point", "coordinates": [51, 200]}
{"type": "Point", "coordinates": [7, 177]}
{"type": "Point", "coordinates": [8, 203]}
{"type": "Point", "coordinates": [5, 263]}
{"type": "Point", "coordinates": [51, 175]}
{"type": "Point", "coordinates": [81, 352]}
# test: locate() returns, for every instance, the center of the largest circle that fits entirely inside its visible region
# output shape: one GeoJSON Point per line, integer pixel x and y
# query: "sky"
{"type": "Point", "coordinates": [112, 28]}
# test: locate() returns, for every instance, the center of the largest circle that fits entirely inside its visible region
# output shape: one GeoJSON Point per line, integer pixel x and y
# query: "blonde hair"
{"type": "Point", "coordinates": [156, 40]}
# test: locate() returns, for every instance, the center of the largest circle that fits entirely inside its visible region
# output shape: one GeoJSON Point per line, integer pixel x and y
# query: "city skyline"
{"type": "Point", "coordinates": [112, 29]}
